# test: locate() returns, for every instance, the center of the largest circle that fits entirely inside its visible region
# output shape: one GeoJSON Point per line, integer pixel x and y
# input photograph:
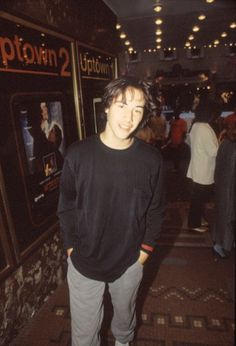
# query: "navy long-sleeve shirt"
{"type": "Point", "coordinates": [111, 205]}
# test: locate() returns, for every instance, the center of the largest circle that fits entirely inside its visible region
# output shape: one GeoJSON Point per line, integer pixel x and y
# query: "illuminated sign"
{"type": "Point", "coordinates": [28, 51]}
{"type": "Point", "coordinates": [95, 65]}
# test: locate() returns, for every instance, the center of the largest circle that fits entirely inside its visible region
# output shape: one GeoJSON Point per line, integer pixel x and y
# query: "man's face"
{"type": "Point", "coordinates": [125, 114]}
{"type": "Point", "coordinates": [44, 111]}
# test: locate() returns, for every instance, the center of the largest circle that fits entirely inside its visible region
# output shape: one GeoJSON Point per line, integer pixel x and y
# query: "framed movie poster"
{"type": "Point", "coordinates": [41, 145]}
{"type": "Point", "coordinates": [39, 118]}
{"type": "Point", "coordinates": [35, 151]}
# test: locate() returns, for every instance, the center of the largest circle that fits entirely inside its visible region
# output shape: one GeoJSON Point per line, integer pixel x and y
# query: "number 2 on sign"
{"type": "Point", "coordinates": [63, 53]}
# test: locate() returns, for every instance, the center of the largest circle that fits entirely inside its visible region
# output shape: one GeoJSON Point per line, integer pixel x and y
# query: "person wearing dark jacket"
{"type": "Point", "coordinates": [110, 210]}
{"type": "Point", "coordinates": [225, 195]}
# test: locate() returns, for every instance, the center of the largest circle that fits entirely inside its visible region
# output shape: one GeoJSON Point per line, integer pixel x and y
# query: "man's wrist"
{"type": "Point", "coordinates": [147, 248]}
{"type": "Point", "coordinates": [69, 251]}
{"type": "Point", "coordinates": [143, 256]}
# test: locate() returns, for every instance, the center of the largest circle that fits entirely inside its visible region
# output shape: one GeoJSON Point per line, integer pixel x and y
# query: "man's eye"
{"type": "Point", "coordinates": [121, 105]}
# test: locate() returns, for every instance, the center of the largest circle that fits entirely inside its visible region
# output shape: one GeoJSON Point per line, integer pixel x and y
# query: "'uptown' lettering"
{"type": "Point", "coordinates": [24, 52]}
{"type": "Point", "coordinates": [94, 66]}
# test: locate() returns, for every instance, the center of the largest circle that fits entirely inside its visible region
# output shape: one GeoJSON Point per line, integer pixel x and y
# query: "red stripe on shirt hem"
{"type": "Point", "coordinates": [147, 247]}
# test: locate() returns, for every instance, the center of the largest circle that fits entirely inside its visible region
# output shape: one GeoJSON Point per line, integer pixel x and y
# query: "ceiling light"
{"type": "Point", "coordinates": [127, 43]}
{"type": "Point", "coordinates": [158, 32]}
{"type": "Point", "coordinates": [158, 40]}
{"type": "Point", "coordinates": [118, 26]}
{"type": "Point", "coordinates": [122, 35]}
{"type": "Point", "coordinates": [233, 25]}
{"type": "Point", "coordinates": [130, 49]}
{"type": "Point", "coordinates": [191, 37]}
{"type": "Point", "coordinates": [187, 44]}
{"type": "Point", "coordinates": [210, 1]}
{"type": "Point", "coordinates": [216, 42]}
{"type": "Point", "coordinates": [159, 46]}
{"type": "Point", "coordinates": [224, 34]}
{"type": "Point", "coordinates": [202, 17]}
{"type": "Point", "coordinates": [158, 21]}
{"type": "Point", "coordinates": [196, 28]}
{"type": "Point", "coordinates": [158, 8]}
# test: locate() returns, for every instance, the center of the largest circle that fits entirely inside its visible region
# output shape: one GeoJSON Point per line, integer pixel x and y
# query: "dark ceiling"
{"type": "Point", "coordinates": [137, 19]}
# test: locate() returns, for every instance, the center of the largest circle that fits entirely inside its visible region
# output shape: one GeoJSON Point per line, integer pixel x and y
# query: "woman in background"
{"type": "Point", "coordinates": [204, 146]}
{"type": "Point", "coordinates": [225, 195]}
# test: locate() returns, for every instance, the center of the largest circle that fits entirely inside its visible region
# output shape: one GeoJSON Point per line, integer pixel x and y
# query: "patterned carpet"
{"type": "Point", "coordinates": [186, 298]}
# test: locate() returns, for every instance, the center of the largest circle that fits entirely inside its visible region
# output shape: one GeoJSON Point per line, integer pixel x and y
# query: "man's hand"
{"type": "Point", "coordinates": [143, 257]}
{"type": "Point", "coordinates": [69, 251]}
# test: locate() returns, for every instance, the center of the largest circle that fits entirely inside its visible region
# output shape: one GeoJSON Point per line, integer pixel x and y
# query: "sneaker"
{"type": "Point", "coordinates": [219, 251]}
{"type": "Point", "coordinates": [204, 223]}
{"type": "Point", "coordinates": [199, 229]}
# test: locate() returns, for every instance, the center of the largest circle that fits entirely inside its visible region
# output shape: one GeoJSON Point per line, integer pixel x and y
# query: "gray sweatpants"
{"type": "Point", "coordinates": [86, 305]}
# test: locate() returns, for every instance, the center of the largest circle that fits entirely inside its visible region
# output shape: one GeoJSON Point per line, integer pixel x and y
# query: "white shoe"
{"type": "Point", "coordinates": [199, 229]}
{"type": "Point", "coordinates": [120, 344]}
{"type": "Point", "coordinates": [204, 223]}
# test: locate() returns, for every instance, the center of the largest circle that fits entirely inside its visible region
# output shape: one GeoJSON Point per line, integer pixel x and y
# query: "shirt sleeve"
{"type": "Point", "coordinates": [155, 213]}
{"type": "Point", "coordinates": [67, 207]}
{"type": "Point", "coordinates": [210, 142]}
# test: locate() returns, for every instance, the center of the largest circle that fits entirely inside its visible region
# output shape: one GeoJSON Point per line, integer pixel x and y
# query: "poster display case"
{"type": "Point", "coordinates": [96, 68]}
{"type": "Point", "coordinates": [38, 120]}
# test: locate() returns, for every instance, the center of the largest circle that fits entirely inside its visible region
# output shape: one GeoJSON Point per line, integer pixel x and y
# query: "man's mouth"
{"type": "Point", "coordinates": [125, 127]}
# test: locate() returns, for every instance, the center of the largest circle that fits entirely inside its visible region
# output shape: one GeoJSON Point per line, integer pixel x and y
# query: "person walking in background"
{"type": "Point", "coordinates": [225, 195]}
{"type": "Point", "coordinates": [227, 124]}
{"type": "Point", "coordinates": [176, 148]}
{"type": "Point", "coordinates": [204, 146]}
{"type": "Point", "coordinates": [158, 125]}
{"type": "Point", "coordinates": [110, 209]}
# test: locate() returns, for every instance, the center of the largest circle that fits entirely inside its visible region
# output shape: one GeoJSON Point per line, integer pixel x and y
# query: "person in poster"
{"type": "Point", "coordinates": [41, 125]}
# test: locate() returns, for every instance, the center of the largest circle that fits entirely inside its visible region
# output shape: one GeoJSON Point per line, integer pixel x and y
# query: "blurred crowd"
{"type": "Point", "coordinates": [195, 129]}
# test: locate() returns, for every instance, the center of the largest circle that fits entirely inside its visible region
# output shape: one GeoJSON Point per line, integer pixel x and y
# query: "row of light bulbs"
{"type": "Point", "coordinates": [154, 50]}
{"type": "Point", "coordinates": [158, 6]}
{"type": "Point", "coordinates": [124, 37]}
{"type": "Point", "coordinates": [196, 28]}
{"type": "Point", "coordinates": [159, 21]}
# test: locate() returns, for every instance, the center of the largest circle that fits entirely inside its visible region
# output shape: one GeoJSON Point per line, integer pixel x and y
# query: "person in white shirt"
{"type": "Point", "coordinates": [204, 146]}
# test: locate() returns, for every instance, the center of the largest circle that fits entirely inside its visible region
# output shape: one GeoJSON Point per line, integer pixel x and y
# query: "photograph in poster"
{"type": "Point", "coordinates": [42, 135]}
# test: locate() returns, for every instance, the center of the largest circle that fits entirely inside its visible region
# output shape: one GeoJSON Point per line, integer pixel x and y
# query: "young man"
{"type": "Point", "coordinates": [110, 210]}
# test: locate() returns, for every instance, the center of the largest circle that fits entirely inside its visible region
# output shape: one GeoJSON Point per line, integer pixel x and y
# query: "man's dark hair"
{"type": "Point", "coordinates": [121, 85]}
{"type": "Point", "coordinates": [207, 111]}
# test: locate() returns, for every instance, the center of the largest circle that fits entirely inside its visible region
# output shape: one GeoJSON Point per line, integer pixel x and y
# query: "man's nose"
{"type": "Point", "coordinates": [129, 114]}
